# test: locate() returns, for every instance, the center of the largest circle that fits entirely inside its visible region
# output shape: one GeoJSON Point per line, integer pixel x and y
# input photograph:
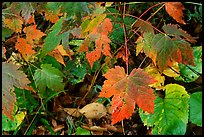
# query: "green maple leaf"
{"type": "Point", "coordinates": [50, 77]}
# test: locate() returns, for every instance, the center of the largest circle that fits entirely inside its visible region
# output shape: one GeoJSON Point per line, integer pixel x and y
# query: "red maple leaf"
{"type": "Point", "coordinates": [24, 48]}
{"type": "Point", "coordinates": [128, 90]}
{"type": "Point", "coordinates": [175, 10]}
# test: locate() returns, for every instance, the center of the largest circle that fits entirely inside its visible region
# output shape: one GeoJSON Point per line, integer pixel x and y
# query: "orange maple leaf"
{"type": "Point", "coordinates": [100, 36]}
{"type": "Point", "coordinates": [32, 33]}
{"type": "Point", "coordinates": [175, 10]}
{"type": "Point", "coordinates": [31, 20]}
{"type": "Point", "coordinates": [128, 90]}
{"type": "Point", "coordinates": [121, 54]}
{"type": "Point", "coordinates": [24, 48]}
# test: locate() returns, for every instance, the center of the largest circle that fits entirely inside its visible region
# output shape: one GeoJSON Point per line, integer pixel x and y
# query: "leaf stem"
{"type": "Point", "coordinates": [125, 37]}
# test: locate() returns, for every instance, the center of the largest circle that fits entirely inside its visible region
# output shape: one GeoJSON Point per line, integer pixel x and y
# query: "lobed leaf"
{"type": "Point", "coordinates": [173, 30]}
{"type": "Point", "coordinates": [50, 77]}
{"type": "Point", "coordinates": [128, 90]}
{"type": "Point", "coordinates": [164, 51]}
{"type": "Point", "coordinates": [11, 77]}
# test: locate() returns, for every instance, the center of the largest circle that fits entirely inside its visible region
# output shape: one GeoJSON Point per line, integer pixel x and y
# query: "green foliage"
{"type": "Point", "coordinates": [50, 77]}
{"type": "Point", "coordinates": [196, 15]}
{"type": "Point", "coordinates": [51, 60]}
{"type": "Point", "coordinates": [6, 32]}
{"type": "Point", "coordinates": [171, 113]}
{"type": "Point", "coordinates": [53, 39]}
{"type": "Point", "coordinates": [75, 71]}
{"type": "Point", "coordinates": [24, 100]}
{"type": "Point", "coordinates": [82, 131]}
{"type": "Point", "coordinates": [195, 115]}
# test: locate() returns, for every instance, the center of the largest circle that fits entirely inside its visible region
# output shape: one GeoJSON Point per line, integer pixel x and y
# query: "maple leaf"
{"type": "Point", "coordinates": [144, 26]}
{"type": "Point", "coordinates": [11, 77]}
{"type": "Point", "coordinates": [102, 41]}
{"type": "Point", "coordinates": [128, 90]}
{"type": "Point", "coordinates": [53, 16]}
{"type": "Point", "coordinates": [13, 24]}
{"type": "Point", "coordinates": [171, 112]}
{"type": "Point", "coordinates": [175, 10]}
{"type": "Point", "coordinates": [31, 20]}
{"type": "Point", "coordinates": [145, 44]}
{"type": "Point", "coordinates": [24, 48]}
{"type": "Point", "coordinates": [50, 77]}
{"type": "Point", "coordinates": [173, 30]}
{"type": "Point", "coordinates": [169, 50]}
{"type": "Point", "coordinates": [32, 33]}
{"type": "Point", "coordinates": [164, 51]}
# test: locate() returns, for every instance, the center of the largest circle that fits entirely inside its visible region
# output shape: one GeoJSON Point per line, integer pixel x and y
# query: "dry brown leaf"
{"type": "Point", "coordinates": [90, 111]}
{"type": "Point", "coordinates": [73, 112]}
{"type": "Point", "coordinates": [94, 110]}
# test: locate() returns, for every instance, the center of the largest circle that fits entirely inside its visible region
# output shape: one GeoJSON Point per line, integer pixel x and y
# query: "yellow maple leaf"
{"type": "Point", "coordinates": [154, 72]}
{"type": "Point", "coordinates": [14, 24]}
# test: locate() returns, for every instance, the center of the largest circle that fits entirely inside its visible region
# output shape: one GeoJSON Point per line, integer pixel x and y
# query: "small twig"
{"type": "Point", "coordinates": [123, 127]}
{"type": "Point", "coordinates": [125, 37]}
{"type": "Point", "coordinates": [142, 62]}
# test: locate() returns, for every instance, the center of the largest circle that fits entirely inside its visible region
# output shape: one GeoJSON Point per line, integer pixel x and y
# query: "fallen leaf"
{"type": "Point", "coordinates": [72, 111]}
{"type": "Point", "coordinates": [32, 33]}
{"type": "Point", "coordinates": [94, 111]}
{"type": "Point", "coordinates": [52, 16]}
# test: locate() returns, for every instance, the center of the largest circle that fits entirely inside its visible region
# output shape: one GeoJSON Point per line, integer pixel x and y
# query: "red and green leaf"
{"type": "Point", "coordinates": [128, 90]}
{"type": "Point", "coordinates": [11, 77]}
{"type": "Point", "coordinates": [164, 50]}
